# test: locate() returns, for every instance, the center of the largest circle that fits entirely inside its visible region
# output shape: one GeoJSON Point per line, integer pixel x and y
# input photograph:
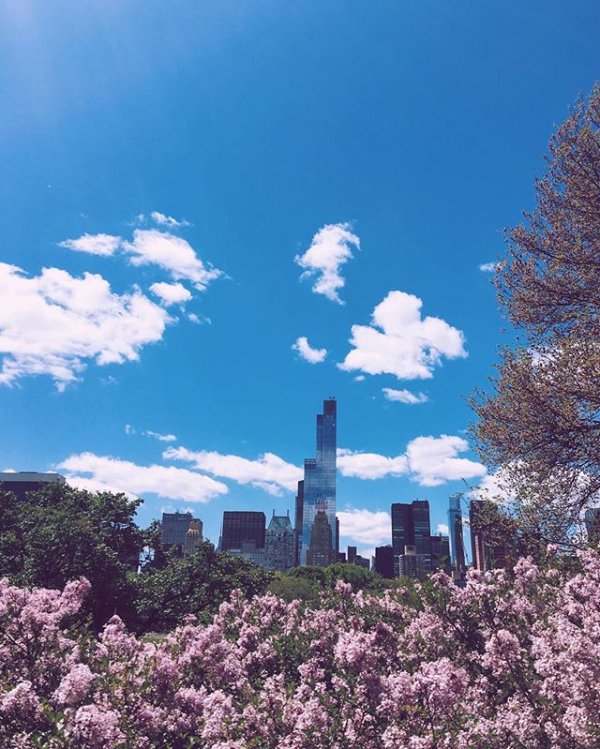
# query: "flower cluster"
{"type": "Point", "coordinates": [510, 661]}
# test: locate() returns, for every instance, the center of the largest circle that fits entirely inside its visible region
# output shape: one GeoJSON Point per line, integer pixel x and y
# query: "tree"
{"type": "Point", "coordinates": [541, 423]}
{"type": "Point", "coordinates": [197, 584]}
{"type": "Point", "coordinates": [60, 533]}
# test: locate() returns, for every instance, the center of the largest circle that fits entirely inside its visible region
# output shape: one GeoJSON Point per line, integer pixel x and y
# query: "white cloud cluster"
{"type": "Point", "coordinates": [354, 464]}
{"type": "Point", "coordinates": [268, 472]}
{"type": "Point", "coordinates": [171, 293]}
{"type": "Point", "coordinates": [365, 526]}
{"type": "Point", "coordinates": [405, 396]}
{"type": "Point", "coordinates": [160, 437]}
{"type": "Point", "coordinates": [309, 354]}
{"type": "Point", "coordinates": [54, 323]}
{"type": "Point", "coordinates": [442, 528]}
{"type": "Point", "coordinates": [331, 247]}
{"type": "Point", "coordinates": [173, 254]}
{"type": "Point", "coordinates": [104, 473]}
{"type": "Point", "coordinates": [430, 461]}
{"type": "Point", "coordinates": [400, 342]}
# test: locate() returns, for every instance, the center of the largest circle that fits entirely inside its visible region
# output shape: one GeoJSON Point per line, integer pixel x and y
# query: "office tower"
{"type": "Point", "coordinates": [440, 554]}
{"type": "Point", "coordinates": [455, 528]}
{"type": "Point", "coordinates": [384, 561]}
{"type": "Point", "coordinates": [193, 537]}
{"type": "Point", "coordinates": [279, 543]}
{"type": "Point", "coordinates": [492, 544]}
{"type": "Point", "coordinates": [411, 527]}
{"type": "Point", "coordinates": [243, 530]}
{"type": "Point", "coordinates": [320, 552]}
{"type": "Point", "coordinates": [22, 482]}
{"type": "Point", "coordinates": [174, 527]}
{"type": "Point", "coordinates": [410, 564]}
{"type": "Point", "coordinates": [298, 522]}
{"type": "Point", "coordinates": [351, 555]}
{"type": "Point", "coordinates": [319, 491]}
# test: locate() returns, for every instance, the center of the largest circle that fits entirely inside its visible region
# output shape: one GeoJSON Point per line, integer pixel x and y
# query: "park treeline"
{"type": "Point", "coordinates": [61, 533]}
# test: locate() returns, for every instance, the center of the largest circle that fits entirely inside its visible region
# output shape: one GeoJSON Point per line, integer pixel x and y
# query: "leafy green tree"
{"type": "Point", "coordinates": [60, 533]}
{"type": "Point", "coordinates": [196, 584]}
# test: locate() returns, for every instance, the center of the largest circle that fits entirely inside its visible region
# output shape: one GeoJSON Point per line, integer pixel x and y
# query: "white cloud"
{"type": "Point", "coordinates": [331, 247]}
{"type": "Point", "coordinates": [442, 528]}
{"type": "Point", "coordinates": [162, 220]}
{"type": "Point", "coordinates": [171, 293]}
{"type": "Point", "coordinates": [160, 437]}
{"type": "Point", "coordinates": [400, 342]}
{"type": "Point", "coordinates": [95, 244]}
{"type": "Point", "coordinates": [359, 378]}
{"type": "Point", "coordinates": [129, 429]}
{"type": "Point", "coordinates": [268, 472]}
{"type": "Point", "coordinates": [429, 461]}
{"type": "Point", "coordinates": [365, 526]}
{"type": "Point", "coordinates": [171, 253]}
{"type": "Point", "coordinates": [309, 354]}
{"type": "Point", "coordinates": [369, 465]}
{"type": "Point", "coordinates": [433, 460]}
{"type": "Point", "coordinates": [54, 323]}
{"type": "Point", "coordinates": [489, 267]}
{"type": "Point", "coordinates": [111, 474]}
{"type": "Point", "coordinates": [405, 396]}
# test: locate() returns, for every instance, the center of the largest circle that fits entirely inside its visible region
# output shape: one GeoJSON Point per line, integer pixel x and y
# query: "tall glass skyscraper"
{"type": "Point", "coordinates": [320, 479]}
{"type": "Point", "coordinates": [455, 527]}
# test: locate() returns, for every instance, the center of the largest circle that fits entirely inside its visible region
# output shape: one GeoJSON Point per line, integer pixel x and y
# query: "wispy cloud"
{"type": "Point", "coordinates": [54, 324]}
{"type": "Point", "coordinates": [405, 396]}
{"type": "Point", "coordinates": [162, 220]}
{"type": "Point", "coordinates": [429, 461]}
{"type": "Point", "coordinates": [489, 267]}
{"type": "Point", "coordinates": [94, 244]}
{"type": "Point", "coordinates": [331, 247]}
{"type": "Point", "coordinates": [160, 437]}
{"type": "Point", "coordinates": [400, 342]}
{"type": "Point", "coordinates": [309, 354]}
{"type": "Point", "coordinates": [442, 528]}
{"type": "Point", "coordinates": [268, 471]}
{"type": "Point", "coordinates": [105, 473]}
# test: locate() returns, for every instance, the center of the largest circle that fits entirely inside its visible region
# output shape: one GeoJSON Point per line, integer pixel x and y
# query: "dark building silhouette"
{"type": "Point", "coordinates": [440, 553]}
{"type": "Point", "coordinates": [455, 529]}
{"type": "Point", "coordinates": [298, 522]}
{"type": "Point", "coordinates": [242, 529]}
{"type": "Point", "coordinates": [411, 527]}
{"type": "Point", "coordinates": [384, 561]}
{"type": "Point", "coordinates": [280, 543]}
{"type": "Point", "coordinates": [174, 528]}
{"type": "Point", "coordinates": [319, 490]}
{"type": "Point", "coordinates": [320, 552]}
{"type": "Point", "coordinates": [22, 482]}
{"type": "Point", "coordinates": [492, 545]}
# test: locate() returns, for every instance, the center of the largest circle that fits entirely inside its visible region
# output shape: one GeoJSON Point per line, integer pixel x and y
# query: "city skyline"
{"type": "Point", "coordinates": [209, 232]}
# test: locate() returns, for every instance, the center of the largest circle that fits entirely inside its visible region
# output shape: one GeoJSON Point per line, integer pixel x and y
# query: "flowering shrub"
{"type": "Point", "coordinates": [512, 660]}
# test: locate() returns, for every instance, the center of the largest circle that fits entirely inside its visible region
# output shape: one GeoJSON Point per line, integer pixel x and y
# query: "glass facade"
{"type": "Point", "coordinates": [320, 479]}
{"type": "Point", "coordinates": [243, 530]}
{"type": "Point", "coordinates": [411, 527]}
{"type": "Point", "coordinates": [455, 528]}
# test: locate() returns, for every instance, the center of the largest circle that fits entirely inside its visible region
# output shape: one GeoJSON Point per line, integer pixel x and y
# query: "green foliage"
{"type": "Point", "coordinates": [197, 585]}
{"type": "Point", "coordinates": [59, 533]}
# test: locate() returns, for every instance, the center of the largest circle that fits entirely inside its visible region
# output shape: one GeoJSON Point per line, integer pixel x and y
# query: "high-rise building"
{"type": "Point", "coordinates": [174, 528]}
{"type": "Point", "coordinates": [455, 528]}
{"type": "Point", "coordinates": [320, 552]}
{"type": "Point", "coordinates": [410, 564]}
{"type": "Point", "coordinates": [193, 537]}
{"type": "Point", "coordinates": [319, 490]}
{"type": "Point", "coordinates": [279, 543]}
{"type": "Point", "coordinates": [298, 522]}
{"type": "Point", "coordinates": [384, 561]}
{"type": "Point", "coordinates": [242, 528]}
{"type": "Point", "coordinates": [491, 543]}
{"type": "Point", "coordinates": [440, 553]}
{"type": "Point", "coordinates": [22, 482]}
{"type": "Point", "coordinates": [411, 527]}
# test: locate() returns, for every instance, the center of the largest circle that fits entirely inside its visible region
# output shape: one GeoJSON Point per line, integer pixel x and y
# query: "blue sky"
{"type": "Point", "coordinates": [190, 189]}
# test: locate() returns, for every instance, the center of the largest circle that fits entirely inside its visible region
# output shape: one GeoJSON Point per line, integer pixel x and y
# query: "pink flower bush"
{"type": "Point", "coordinates": [511, 661]}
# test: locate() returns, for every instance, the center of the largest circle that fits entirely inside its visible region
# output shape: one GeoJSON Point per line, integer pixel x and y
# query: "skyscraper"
{"type": "Point", "coordinates": [298, 522]}
{"type": "Point", "coordinates": [455, 528]}
{"type": "Point", "coordinates": [411, 527]}
{"type": "Point", "coordinates": [279, 543]}
{"type": "Point", "coordinates": [440, 553]}
{"type": "Point", "coordinates": [243, 530]}
{"type": "Point", "coordinates": [319, 489]}
{"type": "Point", "coordinates": [384, 561]}
{"type": "Point", "coordinates": [174, 528]}
{"type": "Point", "coordinates": [320, 551]}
